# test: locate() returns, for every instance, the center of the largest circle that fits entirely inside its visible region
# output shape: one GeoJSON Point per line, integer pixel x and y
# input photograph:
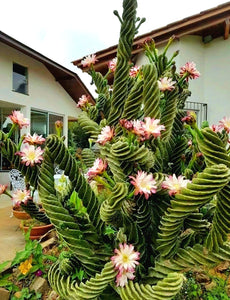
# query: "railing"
{"type": "Point", "coordinates": [201, 110]}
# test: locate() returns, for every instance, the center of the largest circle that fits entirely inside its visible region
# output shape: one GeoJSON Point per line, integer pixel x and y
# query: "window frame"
{"type": "Point", "coordinates": [26, 76]}
{"type": "Point", "coordinates": [48, 113]}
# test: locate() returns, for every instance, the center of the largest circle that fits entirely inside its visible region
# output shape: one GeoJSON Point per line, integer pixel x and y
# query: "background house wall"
{"type": "Point", "coordinates": [212, 61]}
{"type": "Point", "coordinates": [44, 93]}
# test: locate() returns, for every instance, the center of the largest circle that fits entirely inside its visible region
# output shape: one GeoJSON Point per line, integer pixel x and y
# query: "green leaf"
{"type": "Point", "coordinates": [50, 257]}
{"type": "Point", "coordinates": [5, 282]}
{"type": "Point", "coordinates": [80, 274]}
{"type": "Point", "coordinates": [3, 265]}
{"type": "Point", "coordinates": [20, 256]}
{"type": "Point", "coordinates": [109, 230]}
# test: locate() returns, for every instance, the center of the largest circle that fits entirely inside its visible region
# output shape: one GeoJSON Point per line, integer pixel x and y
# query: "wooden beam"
{"type": "Point", "coordinates": [226, 29]}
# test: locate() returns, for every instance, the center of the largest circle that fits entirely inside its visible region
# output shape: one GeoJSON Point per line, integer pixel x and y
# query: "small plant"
{"type": "Point", "coordinates": [26, 265]}
{"type": "Point", "coordinates": [31, 259]}
{"type": "Point", "coordinates": [25, 293]}
{"type": "Point", "coordinates": [191, 290]}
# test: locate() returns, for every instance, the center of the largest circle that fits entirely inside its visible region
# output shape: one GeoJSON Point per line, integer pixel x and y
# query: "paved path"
{"type": "Point", "coordinates": [11, 237]}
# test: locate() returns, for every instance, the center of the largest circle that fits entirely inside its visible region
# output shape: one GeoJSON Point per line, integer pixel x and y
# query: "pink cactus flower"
{"type": "Point", "coordinates": [190, 143]}
{"type": "Point", "coordinates": [125, 258]}
{"type": "Point", "coordinates": [225, 124]}
{"type": "Point", "coordinates": [190, 118]}
{"type": "Point", "coordinates": [107, 133]}
{"type": "Point", "coordinates": [152, 127]}
{"type": "Point", "coordinates": [216, 128]}
{"type": "Point", "coordinates": [18, 118]}
{"type": "Point", "coordinates": [190, 70]}
{"type": "Point", "coordinates": [34, 139]}
{"type": "Point", "coordinates": [89, 60]}
{"type": "Point", "coordinates": [126, 124]}
{"type": "Point", "coordinates": [134, 71]}
{"type": "Point", "coordinates": [122, 278]}
{"type": "Point", "coordinates": [199, 154]}
{"type": "Point", "coordinates": [83, 101]}
{"type": "Point", "coordinates": [31, 155]}
{"type": "Point", "coordinates": [166, 84]}
{"type": "Point", "coordinates": [3, 188]}
{"type": "Point", "coordinates": [138, 128]}
{"type": "Point", "coordinates": [112, 64]}
{"type": "Point", "coordinates": [98, 168]}
{"type": "Point", "coordinates": [58, 124]}
{"type": "Point", "coordinates": [174, 184]}
{"type": "Point", "coordinates": [144, 184]}
{"type": "Point", "coordinates": [20, 196]}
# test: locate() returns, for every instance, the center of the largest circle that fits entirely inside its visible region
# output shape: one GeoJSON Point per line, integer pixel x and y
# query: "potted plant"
{"type": "Point", "coordinates": [31, 213]}
{"type": "Point", "coordinates": [18, 211]}
{"type": "Point", "coordinates": [26, 156]}
{"type": "Point", "coordinates": [37, 229]}
{"type": "Point", "coordinates": [20, 214]}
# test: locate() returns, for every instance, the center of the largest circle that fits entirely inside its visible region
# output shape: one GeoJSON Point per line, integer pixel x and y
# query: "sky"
{"type": "Point", "coordinates": [68, 30]}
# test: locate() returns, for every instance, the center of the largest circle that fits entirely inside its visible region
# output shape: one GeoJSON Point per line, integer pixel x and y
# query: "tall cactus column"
{"type": "Point", "coordinates": [121, 75]}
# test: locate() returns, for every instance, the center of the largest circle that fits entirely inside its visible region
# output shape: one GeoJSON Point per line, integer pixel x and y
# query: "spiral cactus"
{"type": "Point", "coordinates": [121, 76]}
{"type": "Point", "coordinates": [143, 207]}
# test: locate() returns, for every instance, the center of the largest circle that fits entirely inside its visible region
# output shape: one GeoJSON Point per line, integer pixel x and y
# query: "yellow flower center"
{"type": "Point", "coordinates": [31, 155]}
{"type": "Point", "coordinates": [176, 186]}
{"type": "Point", "coordinates": [125, 258]}
{"type": "Point", "coordinates": [22, 196]}
{"type": "Point", "coordinates": [227, 124]}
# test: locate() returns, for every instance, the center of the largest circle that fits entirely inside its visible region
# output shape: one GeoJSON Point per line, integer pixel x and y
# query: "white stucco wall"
{"type": "Point", "coordinates": [44, 93]}
{"type": "Point", "coordinates": [213, 62]}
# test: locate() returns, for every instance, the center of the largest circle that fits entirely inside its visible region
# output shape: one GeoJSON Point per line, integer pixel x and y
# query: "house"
{"type": "Point", "coordinates": [42, 89]}
{"type": "Point", "coordinates": [202, 38]}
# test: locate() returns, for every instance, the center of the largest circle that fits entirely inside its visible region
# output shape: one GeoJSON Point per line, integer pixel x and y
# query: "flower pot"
{"type": "Point", "coordinates": [37, 231]}
{"type": "Point", "coordinates": [20, 214]}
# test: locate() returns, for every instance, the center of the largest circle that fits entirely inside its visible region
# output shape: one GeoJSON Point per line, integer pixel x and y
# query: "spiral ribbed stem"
{"type": "Point", "coordinates": [62, 157]}
{"type": "Point", "coordinates": [126, 153]}
{"type": "Point", "coordinates": [121, 75]}
{"type": "Point", "coordinates": [87, 245]}
{"type": "Point", "coordinates": [214, 151]}
{"type": "Point", "coordinates": [111, 209]}
{"type": "Point", "coordinates": [221, 221]}
{"type": "Point", "coordinates": [213, 148]}
{"type": "Point", "coordinates": [88, 157]}
{"type": "Point", "coordinates": [165, 289]}
{"type": "Point", "coordinates": [100, 83]}
{"type": "Point", "coordinates": [90, 127]}
{"type": "Point", "coordinates": [133, 103]}
{"type": "Point", "coordinates": [151, 92]}
{"type": "Point", "coordinates": [188, 259]}
{"type": "Point", "coordinates": [169, 113]}
{"type": "Point", "coordinates": [91, 289]}
{"type": "Point", "coordinates": [200, 191]}
{"type": "Point", "coordinates": [33, 210]}
{"type": "Point", "coordinates": [114, 163]}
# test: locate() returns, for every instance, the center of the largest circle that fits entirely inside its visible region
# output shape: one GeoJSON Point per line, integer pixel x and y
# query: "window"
{"type": "Point", "coordinates": [199, 108]}
{"type": "Point", "coordinates": [38, 123]}
{"type": "Point", "coordinates": [43, 123]}
{"type": "Point", "coordinates": [5, 125]}
{"type": "Point", "coordinates": [20, 79]}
